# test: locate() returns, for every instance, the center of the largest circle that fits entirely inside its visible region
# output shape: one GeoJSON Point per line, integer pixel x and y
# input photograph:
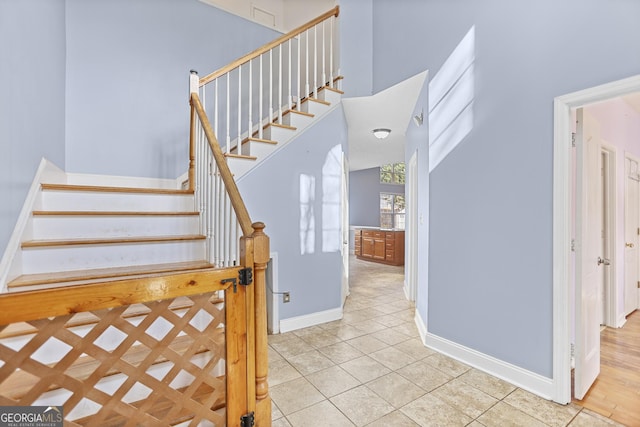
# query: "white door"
{"type": "Point", "coordinates": [345, 227]}
{"type": "Point", "coordinates": [589, 263]}
{"type": "Point", "coordinates": [411, 283]}
{"type": "Point", "coordinates": [631, 224]}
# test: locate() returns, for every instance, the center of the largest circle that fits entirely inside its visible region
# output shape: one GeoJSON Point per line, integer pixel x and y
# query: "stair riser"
{"type": "Point", "coordinates": [329, 96]}
{"type": "Point", "coordinates": [278, 134]}
{"type": "Point", "coordinates": [239, 167]}
{"type": "Point", "coordinates": [71, 227]}
{"type": "Point", "coordinates": [315, 108]}
{"type": "Point", "coordinates": [99, 201]}
{"type": "Point", "coordinates": [299, 121]}
{"type": "Point", "coordinates": [258, 149]}
{"type": "Point", "coordinates": [81, 257]}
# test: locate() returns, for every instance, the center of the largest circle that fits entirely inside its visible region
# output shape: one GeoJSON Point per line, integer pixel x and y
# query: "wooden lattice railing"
{"type": "Point", "coordinates": [171, 350]}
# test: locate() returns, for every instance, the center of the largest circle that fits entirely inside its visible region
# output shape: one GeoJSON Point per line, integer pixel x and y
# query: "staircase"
{"type": "Point", "coordinates": [142, 302]}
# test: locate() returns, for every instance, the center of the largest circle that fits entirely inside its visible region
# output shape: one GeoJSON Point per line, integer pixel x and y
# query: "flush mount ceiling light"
{"type": "Point", "coordinates": [381, 133]}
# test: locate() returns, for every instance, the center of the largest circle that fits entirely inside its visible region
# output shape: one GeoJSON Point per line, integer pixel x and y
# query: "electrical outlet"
{"type": "Point", "coordinates": [286, 297]}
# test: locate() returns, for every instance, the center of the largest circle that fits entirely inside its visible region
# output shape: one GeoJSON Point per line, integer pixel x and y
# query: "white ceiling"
{"type": "Point", "coordinates": [392, 108]}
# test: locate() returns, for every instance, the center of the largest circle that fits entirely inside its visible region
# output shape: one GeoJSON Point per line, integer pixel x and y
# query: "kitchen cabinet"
{"type": "Point", "coordinates": [384, 246]}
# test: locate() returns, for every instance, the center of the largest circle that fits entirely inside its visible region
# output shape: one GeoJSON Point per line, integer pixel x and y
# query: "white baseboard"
{"type": "Point", "coordinates": [299, 322]}
{"type": "Point", "coordinates": [527, 380]}
{"type": "Point", "coordinates": [622, 320]}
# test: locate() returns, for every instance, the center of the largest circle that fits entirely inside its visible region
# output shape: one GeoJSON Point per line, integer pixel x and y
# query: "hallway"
{"type": "Point", "coordinates": [616, 391]}
{"type": "Point", "coordinates": [371, 369]}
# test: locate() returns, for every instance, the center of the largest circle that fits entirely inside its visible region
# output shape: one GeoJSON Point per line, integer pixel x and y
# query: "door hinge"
{"type": "Point", "coordinates": [245, 278]}
{"type": "Point", "coordinates": [573, 245]}
{"type": "Point", "coordinates": [638, 285]}
{"type": "Point", "coordinates": [638, 231]}
{"type": "Point", "coordinates": [573, 139]}
{"type": "Point", "coordinates": [247, 420]}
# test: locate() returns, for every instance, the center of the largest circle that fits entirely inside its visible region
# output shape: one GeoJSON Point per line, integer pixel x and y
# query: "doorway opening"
{"type": "Point", "coordinates": [562, 231]}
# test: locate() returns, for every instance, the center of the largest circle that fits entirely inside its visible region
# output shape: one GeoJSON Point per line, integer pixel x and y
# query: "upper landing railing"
{"type": "Point", "coordinates": [239, 101]}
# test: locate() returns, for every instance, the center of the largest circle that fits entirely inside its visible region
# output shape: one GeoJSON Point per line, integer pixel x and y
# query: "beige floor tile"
{"type": "Point", "coordinates": [407, 328]}
{"type": "Point", "coordinates": [447, 365]}
{"type": "Point", "coordinates": [392, 358]}
{"type": "Point", "coordinates": [347, 332]}
{"type": "Point", "coordinates": [369, 326]}
{"type": "Point", "coordinates": [291, 347]}
{"type": "Point", "coordinates": [280, 422]}
{"type": "Point", "coordinates": [548, 412]}
{"type": "Point", "coordinates": [390, 336]}
{"type": "Point", "coordinates": [275, 411]}
{"type": "Point", "coordinates": [587, 418]}
{"type": "Point", "coordinates": [396, 389]}
{"type": "Point", "coordinates": [424, 375]}
{"type": "Point", "coordinates": [390, 321]}
{"type": "Point", "coordinates": [394, 419]}
{"type": "Point", "coordinates": [367, 344]}
{"type": "Point", "coordinates": [322, 414]}
{"type": "Point", "coordinates": [362, 405]}
{"type": "Point", "coordinates": [414, 348]}
{"type": "Point", "coordinates": [430, 411]}
{"type": "Point", "coordinates": [491, 385]}
{"type": "Point", "coordinates": [277, 338]}
{"type": "Point", "coordinates": [365, 369]}
{"type": "Point", "coordinates": [310, 362]}
{"type": "Point", "coordinates": [295, 395]}
{"type": "Point", "coordinates": [405, 315]}
{"type": "Point", "coordinates": [340, 352]}
{"type": "Point", "coordinates": [333, 381]}
{"type": "Point", "coordinates": [274, 355]}
{"type": "Point", "coordinates": [465, 398]}
{"type": "Point", "coordinates": [387, 308]}
{"type": "Point", "coordinates": [504, 415]}
{"type": "Point", "coordinates": [307, 331]}
{"type": "Point", "coordinates": [280, 372]}
{"type": "Point", "coordinates": [321, 339]}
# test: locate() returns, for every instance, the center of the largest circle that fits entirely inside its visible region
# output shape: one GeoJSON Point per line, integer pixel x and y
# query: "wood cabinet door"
{"type": "Point", "coordinates": [367, 247]}
{"type": "Point", "coordinates": [379, 248]}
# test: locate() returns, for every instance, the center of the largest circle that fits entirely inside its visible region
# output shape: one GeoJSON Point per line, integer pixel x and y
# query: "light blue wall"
{"type": "Point", "coordinates": [356, 46]}
{"type": "Point", "coordinates": [490, 219]}
{"type": "Point", "coordinates": [364, 196]}
{"type": "Point", "coordinates": [272, 194]}
{"type": "Point", "coordinates": [128, 68]}
{"type": "Point", "coordinates": [32, 61]}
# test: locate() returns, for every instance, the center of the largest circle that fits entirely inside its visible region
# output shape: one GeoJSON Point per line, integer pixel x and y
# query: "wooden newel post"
{"type": "Point", "coordinates": [261, 259]}
{"type": "Point", "coordinates": [194, 82]}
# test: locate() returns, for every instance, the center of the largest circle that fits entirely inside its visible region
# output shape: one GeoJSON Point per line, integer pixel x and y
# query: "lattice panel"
{"type": "Point", "coordinates": [152, 364]}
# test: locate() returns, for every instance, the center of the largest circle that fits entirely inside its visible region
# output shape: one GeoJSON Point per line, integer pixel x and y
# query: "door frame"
{"type": "Point", "coordinates": [610, 288]}
{"type": "Point", "coordinates": [623, 315]}
{"type": "Point", "coordinates": [411, 197]}
{"type": "Point", "coordinates": [562, 220]}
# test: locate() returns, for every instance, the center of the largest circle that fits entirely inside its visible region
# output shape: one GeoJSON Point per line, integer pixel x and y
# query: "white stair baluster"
{"type": "Point", "coordinates": [315, 61]}
{"type": "Point", "coordinates": [290, 95]}
{"type": "Point", "coordinates": [260, 98]}
{"type": "Point", "coordinates": [249, 121]}
{"type": "Point", "coordinates": [280, 85]}
{"type": "Point", "coordinates": [324, 75]}
{"type": "Point", "coordinates": [239, 139]}
{"type": "Point", "coordinates": [228, 112]}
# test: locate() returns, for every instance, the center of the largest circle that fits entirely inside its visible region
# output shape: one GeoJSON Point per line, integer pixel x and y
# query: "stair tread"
{"type": "Point", "coordinates": [114, 240]}
{"type": "Point", "coordinates": [107, 189]}
{"type": "Point", "coordinates": [266, 141]}
{"type": "Point", "coordinates": [115, 213]}
{"type": "Point", "coordinates": [279, 125]}
{"type": "Point", "coordinates": [240, 156]}
{"type": "Point", "coordinates": [332, 89]}
{"type": "Point", "coordinates": [301, 113]}
{"type": "Point", "coordinates": [104, 273]}
{"type": "Point", "coordinates": [319, 101]}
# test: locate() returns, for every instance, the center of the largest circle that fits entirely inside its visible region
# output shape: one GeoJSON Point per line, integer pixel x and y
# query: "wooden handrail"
{"type": "Point", "coordinates": [227, 177]}
{"type": "Point", "coordinates": [266, 48]}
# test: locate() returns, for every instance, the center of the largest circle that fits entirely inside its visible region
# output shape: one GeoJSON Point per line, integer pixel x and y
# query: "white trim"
{"type": "Point", "coordinates": [611, 290]}
{"type": "Point", "coordinates": [527, 380]}
{"type": "Point", "coordinates": [562, 222]}
{"type": "Point", "coordinates": [312, 319]}
{"type": "Point", "coordinates": [11, 265]}
{"type": "Point", "coordinates": [273, 303]}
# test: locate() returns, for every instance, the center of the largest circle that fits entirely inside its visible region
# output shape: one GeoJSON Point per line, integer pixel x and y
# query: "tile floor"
{"type": "Point", "coordinates": [371, 369]}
